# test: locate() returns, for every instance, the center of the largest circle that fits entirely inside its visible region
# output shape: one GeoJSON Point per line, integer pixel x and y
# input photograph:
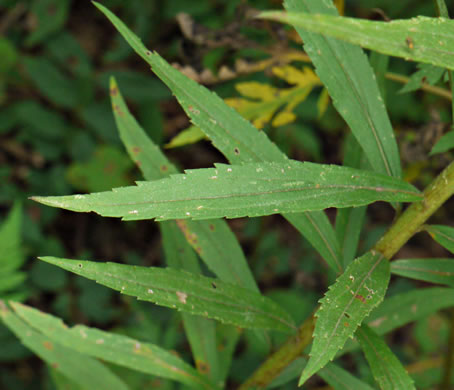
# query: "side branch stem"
{"type": "Point", "coordinates": [408, 223]}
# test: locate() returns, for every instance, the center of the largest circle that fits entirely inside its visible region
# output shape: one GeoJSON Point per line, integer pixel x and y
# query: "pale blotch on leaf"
{"type": "Point", "coordinates": [100, 341]}
{"type": "Point", "coordinates": [182, 296]}
{"type": "Point", "coordinates": [150, 291]}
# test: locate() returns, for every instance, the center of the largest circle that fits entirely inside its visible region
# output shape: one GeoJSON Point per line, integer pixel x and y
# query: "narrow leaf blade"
{"type": "Point", "coordinates": [238, 191]}
{"type": "Point", "coordinates": [349, 300]}
{"type": "Point", "coordinates": [421, 39]}
{"type": "Point", "coordinates": [194, 294]}
{"type": "Point", "coordinates": [444, 235]}
{"type": "Point", "coordinates": [341, 379]}
{"type": "Point", "coordinates": [83, 370]}
{"type": "Point", "coordinates": [114, 348]}
{"type": "Point", "coordinates": [346, 73]}
{"type": "Point", "coordinates": [429, 270]}
{"type": "Point", "coordinates": [386, 368]}
{"type": "Point", "coordinates": [401, 309]}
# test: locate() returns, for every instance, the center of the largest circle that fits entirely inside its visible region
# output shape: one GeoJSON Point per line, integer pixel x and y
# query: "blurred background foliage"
{"type": "Point", "coordinates": [58, 136]}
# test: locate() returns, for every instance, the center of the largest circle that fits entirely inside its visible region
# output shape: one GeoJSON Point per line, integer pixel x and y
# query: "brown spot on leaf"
{"type": "Point", "coordinates": [236, 151]}
{"type": "Point", "coordinates": [190, 236]}
{"type": "Point", "coordinates": [114, 91]}
{"type": "Point", "coordinates": [164, 168]}
{"type": "Point", "coordinates": [48, 345]}
{"type": "Point", "coordinates": [202, 367]}
{"type": "Point", "coordinates": [136, 149]}
{"type": "Point", "coordinates": [55, 365]}
{"type": "Point", "coordinates": [360, 297]}
{"type": "Point", "coordinates": [212, 228]}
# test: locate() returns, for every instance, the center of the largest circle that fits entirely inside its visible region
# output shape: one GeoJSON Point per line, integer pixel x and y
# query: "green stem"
{"type": "Point", "coordinates": [408, 223]}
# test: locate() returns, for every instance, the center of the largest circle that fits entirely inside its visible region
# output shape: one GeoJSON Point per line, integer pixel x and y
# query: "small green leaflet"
{"type": "Point", "coordinates": [444, 235]}
{"type": "Point", "coordinates": [386, 367]}
{"type": "Point", "coordinates": [430, 270]}
{"type": "Point", "coordinates": [349, 300]}
{"type": "Point", "coordinates": [236, 191]}
{"type": "Point", "coordinates": [421, 39]}
{"type": "Point", "coordinates": [234, 136]}
{"type": "Point", "coordinates": [114, 348]}
{"type": "Point", "coordinates": [87, 372]}
{"type": "Point", "coordinates": [191, 293]}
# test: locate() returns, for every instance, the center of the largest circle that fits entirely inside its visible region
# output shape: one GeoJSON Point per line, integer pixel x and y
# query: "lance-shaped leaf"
{"type": "Point", "coordinates": [403, 308]}
{"type": "Point", "coordinates": [444, 235]}
{"type": "Point", "coordinates": [234, 136]}
{"type": "Point", "coordinates": [237, 191]}
{"type": "Point", "coordinates": [114, 348]}
{"type": "Point", "coordinates": [347, 75]}
{"type": "Point", "coordinates": [422, 39]}
{"type": "Point", "coordinates": [349, 300]}
{"type": "Point", "coordinates": [340, 379]}
{"type": "Point", "coordinates": [194, 294]}
{"type": "Point", "coordinates": [386, 368]}
{"type": "Point", "coordinates": [430, 270]}
{"type": "Point", "coordinates": [87, 372]}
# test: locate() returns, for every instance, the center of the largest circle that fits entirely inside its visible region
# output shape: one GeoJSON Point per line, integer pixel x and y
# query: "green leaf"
{"type": "Point", "coordinates": [346, 73]}
{"type": "Point", "coordinates": [356, 292]}
{"type": "Point", "coordinates": [112, 347]}
{"type": "Point", "coordinates": [108, 168]}
{"type": "Point", "coordinates": [386, 368]}
{"type": "Point", "coordinates": [444, 144]}
{"type": "Point", "coordinates": [247, 190]}
{"type": "Point", "coordinates": [83, 370]}
{"type": "Point", "coordinates": [8, 53]}
{"type": "Point", "coordinates": [235, 137]}
{"type": "Point", "coordinates": [427, 73]}
{"type": "Point", "coordinates": [50, 16]}
{"type": "Point", "coordinates": [186, 292]}
{"type": "Point", "coordinates": [188, 136]}
{"type": "Point", "coordinates": [11, 253]}
{"type": "Point", "coordinates": [52, 83]}
{"type": "Point", "coordinates": [441, 8]}
{"type": "Point", "coordinates": [421, 39]}
{"type": "Point", "coordinates": [340, 379]}
{"type": "Point", "coordinates": [212, 240]}
{"type": "Point", "coordinates": [444, 235]}
{"type": "Point", "coordinates": [429, 270]}
{"type": "Point", "coordinates": [400, 309]}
